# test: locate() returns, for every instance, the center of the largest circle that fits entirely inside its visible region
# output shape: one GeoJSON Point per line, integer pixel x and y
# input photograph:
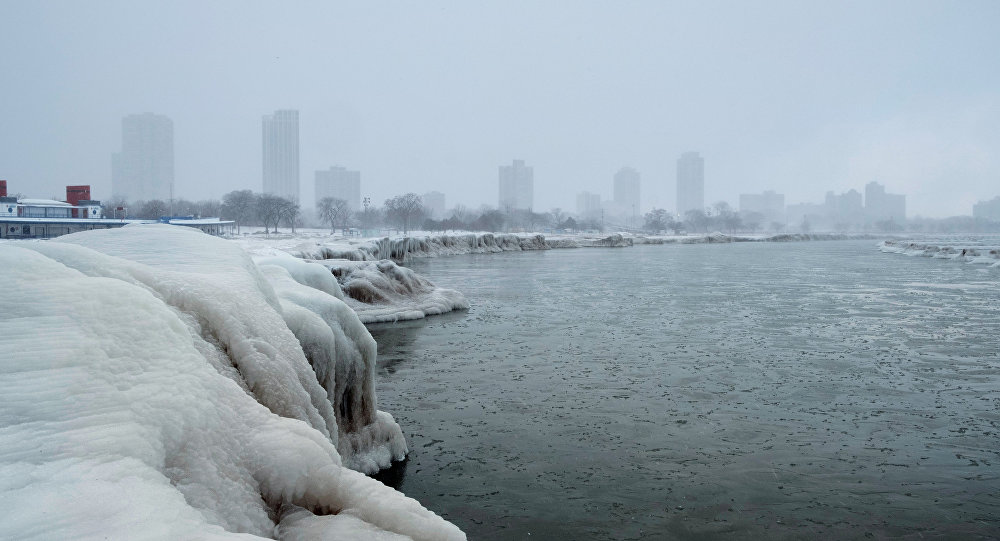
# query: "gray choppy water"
{"type": "Point", "coordinates": [704, 391]}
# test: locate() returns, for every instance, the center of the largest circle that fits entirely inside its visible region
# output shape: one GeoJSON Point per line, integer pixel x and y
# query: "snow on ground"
{"type": "Point", "coordinates": [984, 250]}
{"type": "Point", "coordinates": [159, 384]}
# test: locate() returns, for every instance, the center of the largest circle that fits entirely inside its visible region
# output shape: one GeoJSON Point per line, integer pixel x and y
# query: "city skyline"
{"type": "Point", "coordinates": [891, 91]}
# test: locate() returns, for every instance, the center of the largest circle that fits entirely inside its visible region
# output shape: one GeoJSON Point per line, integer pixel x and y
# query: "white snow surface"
{"type": "Point", "coordinates": [158, 384]}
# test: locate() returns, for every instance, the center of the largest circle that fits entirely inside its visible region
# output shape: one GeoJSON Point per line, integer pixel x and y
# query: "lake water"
{"type": "Point", "coordinates": [703, 391]}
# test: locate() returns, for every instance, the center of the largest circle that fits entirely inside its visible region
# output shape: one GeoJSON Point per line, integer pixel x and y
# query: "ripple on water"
{"type": "Point", "coordinates": [748, 390]}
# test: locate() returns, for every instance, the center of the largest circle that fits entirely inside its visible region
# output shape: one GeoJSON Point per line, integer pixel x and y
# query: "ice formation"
{"type": "Point", "coordinates": [158, 384]}
{"type": "Point", "coordinates": [966, 250]}
{"type": "Point", "coordinates": [380, 291]}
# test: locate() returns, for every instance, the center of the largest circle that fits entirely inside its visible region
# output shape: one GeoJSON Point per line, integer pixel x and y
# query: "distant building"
{"type": "Point", "coordinates": [770, 205]}
{"type": "Point", "coordinates": [626, 193]}
{"type": "Point", "coordinates": [281, 154]}
{"type": "Point", "coordinates": [805, 215]}
{"type": "Point", "coordinates": [340, 183]}
{"type": "Point", "coordinates": [588, 204]}
{"type": "Point", "coordinates": [434, 203]}
{"type": "Point", "coordinates": [844, 211]}
{"type": "Point", "coordinates": [881, 206]}
{"type": "Point", "coordinates": [144, 169]}
{"type": "Point", "coordinates": [517, 187]}
{"type": "Point", "coordinates": [987, 210]}
{"type": "Point", "coordinates": [690, 183]}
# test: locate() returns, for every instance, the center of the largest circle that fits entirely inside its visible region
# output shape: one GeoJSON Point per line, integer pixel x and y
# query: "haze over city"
{"type": "Point", "coordinates": [800, 98]}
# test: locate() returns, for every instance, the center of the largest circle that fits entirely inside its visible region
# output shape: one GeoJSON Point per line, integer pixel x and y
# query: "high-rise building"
{"type": "Point", "coordinates": [517, 187]}
{"type": "Point", "coordinates": [987, 210]}
{"type": "Point", "coordinates": [434, 203]}
{"type": "Point", "coordinates": [770, 205]}
{"type": "Point", "coordinates": [144, 169]}
{"type": "Point", "coordinates": [626, 192]}
{"type": "Point", "coordinates": [281, 154]}
{"type": "Point", "coordinates": [690, 183]}
{"type": "Point", "coordinates": [881, 206]}
{"type": "Point", "coordinates": [340, 183]}
{"type": "Point", "coordinates": [588, 204]}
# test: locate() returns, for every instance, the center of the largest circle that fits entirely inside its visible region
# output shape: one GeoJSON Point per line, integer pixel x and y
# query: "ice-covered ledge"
{"type": "Point", "coordinates": [159, 381]}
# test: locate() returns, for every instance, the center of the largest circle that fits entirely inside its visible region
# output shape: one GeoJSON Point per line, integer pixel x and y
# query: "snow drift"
{"type": "Point", "coordinates": [158, 384]}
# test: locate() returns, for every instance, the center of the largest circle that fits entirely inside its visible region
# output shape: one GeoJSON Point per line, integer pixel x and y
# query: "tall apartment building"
{"type": "Point", "coordinates": [517, 187]}
{"type": "Point", "coordinates": [144, 169]}
{"type": "Point", "coordinates": [626, 192]}
{"type": "Point", "coordinates": [434, 203]}
{"type": "Point", "coordinates": [588, 204]}
{"type": "Point", "coordinates": [690, 183]}
{"type": "Point", "coordinates": [881, 206]}
{"type": "Point", "coordinates": [281, 154]}
{"type": "Point", "coordinates": [340, 183]}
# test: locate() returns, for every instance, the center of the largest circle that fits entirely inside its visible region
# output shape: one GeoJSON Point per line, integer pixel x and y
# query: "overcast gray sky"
{"type": "Point", "coordinates": [799, 97]}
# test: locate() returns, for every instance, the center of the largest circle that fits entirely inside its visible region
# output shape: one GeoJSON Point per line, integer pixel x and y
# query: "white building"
{"type": "Point", "coordinates": [434, 203]}
{"type": "Point", "coordinates": [517, 187]}
{"type": "Point", "coordinates": [144, 169]}
{"type": "Point", "coordinates": [340, 183]}
{"type": "Point", "coordinates": [690, 183]}
{"type": "Point", "coordinates": [281, 154]}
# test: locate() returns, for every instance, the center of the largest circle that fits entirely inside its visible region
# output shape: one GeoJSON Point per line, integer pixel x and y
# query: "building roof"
{"type": "Point", "coordinates": [43, 202]}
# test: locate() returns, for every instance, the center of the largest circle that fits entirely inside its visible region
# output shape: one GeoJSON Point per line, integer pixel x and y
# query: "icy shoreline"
{"type": "Point", "coordinates": [161, 384]}
{"type": "Point", "coordinates": [379, 290]}
{"type": "Point", "coordinates": [967, 251]}
{"type": "Point", "coordinates": [402, 248]}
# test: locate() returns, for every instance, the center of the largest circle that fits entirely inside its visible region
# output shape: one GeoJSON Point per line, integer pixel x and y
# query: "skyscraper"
{"type": "Point", "coordinates": [340, 183]}
{"type": "Point", "coordinates": [144, 169]}
{"type": "Point", "coordinates": [517, 187]}
{"type": "Point", "coordinates": [281, 154]}
{"type": "Point", "coordinates": [626, 192]}
{"type": "Point", "coordinates": [690, 183]}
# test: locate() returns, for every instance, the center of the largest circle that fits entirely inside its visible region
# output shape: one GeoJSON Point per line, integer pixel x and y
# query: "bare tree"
{"type": "Point", "coordinates": [696, 220]}
{"type": "Point", "coordinates": [403, 210]}
{"type": "Point", "coordinates": [333, 211]}
{"type": "Point", "coordinates": [240, 205]}
{"type": "Point", "coordinates": [291, 212]}
{"type": "Point", "coordinates": [271, 209]}
{"type": "Point", "coordinates": [151, 210]}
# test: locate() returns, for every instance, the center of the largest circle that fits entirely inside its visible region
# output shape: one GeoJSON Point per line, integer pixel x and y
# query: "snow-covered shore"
{"type": "Point", "coordinates": [160, 384]}
{"type": "Point", "coordinates": [321, 246]}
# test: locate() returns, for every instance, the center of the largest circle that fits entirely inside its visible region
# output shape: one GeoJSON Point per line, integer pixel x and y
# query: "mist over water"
{"type": "Point", "coordinates": [779, 390]}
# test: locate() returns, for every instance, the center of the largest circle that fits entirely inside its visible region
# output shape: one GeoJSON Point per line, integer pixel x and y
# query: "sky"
{"type": "Point", "coordinates": [798, 97]}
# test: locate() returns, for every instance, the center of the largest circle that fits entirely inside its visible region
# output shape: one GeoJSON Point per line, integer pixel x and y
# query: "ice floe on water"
{"type": "Point", "coordinates": [160, 384]}
{"type": "Point", "coordinates": [976, 250]}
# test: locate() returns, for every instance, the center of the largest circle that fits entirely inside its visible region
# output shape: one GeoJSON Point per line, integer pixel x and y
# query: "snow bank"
{"type": "Point", "coordinates": [158, 385]}
{"type": "Point", "coordinates": [380, 291]}
{"type": "Point", "coordinates": [977, 251]}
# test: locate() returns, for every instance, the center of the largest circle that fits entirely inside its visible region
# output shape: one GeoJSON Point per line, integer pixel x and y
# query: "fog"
{"type": "Point", "coordinates": [796, 97]}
